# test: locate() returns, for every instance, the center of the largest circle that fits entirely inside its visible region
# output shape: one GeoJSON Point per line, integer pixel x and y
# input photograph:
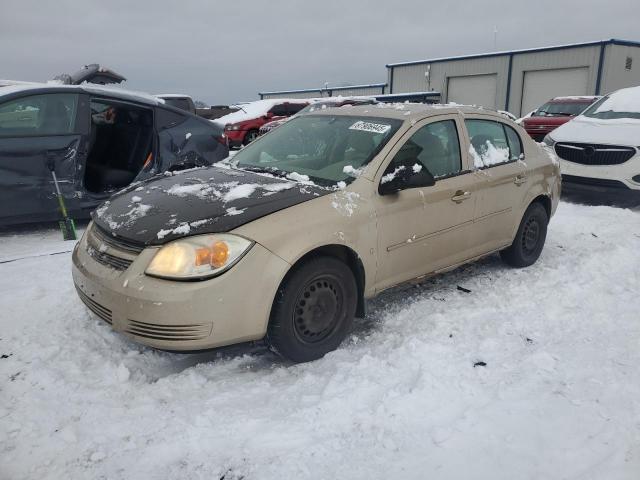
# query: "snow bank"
{"type": "Point", "coordinates": [558, 395]}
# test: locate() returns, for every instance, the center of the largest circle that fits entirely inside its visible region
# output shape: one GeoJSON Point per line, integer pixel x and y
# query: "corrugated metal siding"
{"type": "Point", "coordinates": [567, 58]}
{"type": "Point", "coordinates": [358, 91]}
{"type": "Point", "coordinates": [614, 73]}
{"type": "Point", "coordinates": [411, 78]}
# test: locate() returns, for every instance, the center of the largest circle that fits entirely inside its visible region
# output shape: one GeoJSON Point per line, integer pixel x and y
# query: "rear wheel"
{"type": "Point", "coordinates": [530, 238]}
{"type": "Point", "coordinates": [314, 310]}
{"type": "Point", "coordinates": [250, 136]}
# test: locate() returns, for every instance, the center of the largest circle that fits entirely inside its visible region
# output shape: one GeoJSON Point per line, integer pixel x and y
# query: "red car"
{"type": "Point", "coordinates": [241, 127]}
{"type": "Point", "coordinates": [554, 113]}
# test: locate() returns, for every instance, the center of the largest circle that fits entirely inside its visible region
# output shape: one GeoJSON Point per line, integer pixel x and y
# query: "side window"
{"type": "Point", "coordinates": [279, 110]}
{"type": "Point", "coordinates": [435, 147]}
{"type": "Point", "coordinates": [295, 108]}
{"type": "Point", "coordinates": [515, 143]}
{"type": "Point", "coordinates": [48, 114]}
{"type": "Point", "coordinates": [489, 143]}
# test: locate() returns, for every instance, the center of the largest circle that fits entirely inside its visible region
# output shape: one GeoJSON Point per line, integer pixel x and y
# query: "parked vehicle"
{"type": "Point", "coordinates": [554, 113]}
{"type": "Point", "coordinates": [183, 102]}
{"type": "Point", "coordinates": [98, 141]}
{"type": "Point", "coordinates": [289, 239]}
{"type": "Point", "coordinates": [598, 149]}
{"type": "Point", "coordinates": [317, 105]}
{"type": "Point", "coordinates": [242, 127]}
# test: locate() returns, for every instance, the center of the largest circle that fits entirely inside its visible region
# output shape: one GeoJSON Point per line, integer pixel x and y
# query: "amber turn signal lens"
{"type": "Point", "coordinates": [216, 255]}
{"type": "Point", "coordinates": [219, 254]}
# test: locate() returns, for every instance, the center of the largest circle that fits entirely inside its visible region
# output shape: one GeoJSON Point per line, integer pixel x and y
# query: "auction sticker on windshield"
{"type": "Point", "coordinates": [370, 127]}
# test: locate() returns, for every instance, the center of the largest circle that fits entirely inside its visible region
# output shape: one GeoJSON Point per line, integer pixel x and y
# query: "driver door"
{"type": "Point", "coordinates": [423, 230]}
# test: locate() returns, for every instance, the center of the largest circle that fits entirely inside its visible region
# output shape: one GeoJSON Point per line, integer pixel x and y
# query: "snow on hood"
{"type": "Point", "coordinates": [252, 110]}
{"type": "Point", "coordinates": [205, 200]}
{"type": "Point", "coordinates": [622, 131]}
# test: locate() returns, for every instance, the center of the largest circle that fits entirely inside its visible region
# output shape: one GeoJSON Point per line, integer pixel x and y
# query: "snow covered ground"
{"type": "Point", "coordinates": [557, 397]}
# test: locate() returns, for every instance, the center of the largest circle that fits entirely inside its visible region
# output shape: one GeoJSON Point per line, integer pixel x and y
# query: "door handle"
{"type": "Point", "coordinates": [520, 179]}
{"type": "Point", "coordinates": [461, 196]}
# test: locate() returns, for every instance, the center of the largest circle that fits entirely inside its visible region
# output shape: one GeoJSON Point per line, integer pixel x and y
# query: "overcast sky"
{"type": "Point", "coordinates": [222, 52]}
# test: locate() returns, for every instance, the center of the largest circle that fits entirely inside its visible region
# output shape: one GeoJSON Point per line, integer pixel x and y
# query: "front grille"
{"type": "Point", "coordinates": [594, 154]}
{"type": "Point", "coordinates": [103, 312]}
{"type": "Point", "coordinates": [593, 182]}
{"type": "Point", "coordinates": [154, 331]}
{"type": "Point", "coordinates": [114, 242]}
{"type": "Point", "coordinates": [109, 260]}
{"type": "Point", "coordinates": [109, 251]}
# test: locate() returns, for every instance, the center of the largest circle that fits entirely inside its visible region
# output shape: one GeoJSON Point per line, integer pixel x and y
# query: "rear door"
{"type": "Point", "coordinates": [34, 130]}
{"type": "Point", "coordinates": [185, 142]}
{"type": "Point", "coordinates": [422, 230]}
{"type": "Point", "coordinates": [496, 151]}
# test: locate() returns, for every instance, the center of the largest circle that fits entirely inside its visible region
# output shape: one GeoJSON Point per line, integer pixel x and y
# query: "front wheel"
{"type": "Point", "coordinates": [250, 136]}
{"type": "Point", "coordinates": [313, 310]}
{"type": "Point", "coordinates": [529, 241]}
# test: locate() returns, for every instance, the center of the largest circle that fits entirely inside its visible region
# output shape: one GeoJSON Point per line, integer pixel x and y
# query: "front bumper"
{"type": "Point", "coordinates": [235, 138]}
{"type": "Point", "coordinates": [601, 177]}
{"type": "Point", "coordinates": [172, 315]}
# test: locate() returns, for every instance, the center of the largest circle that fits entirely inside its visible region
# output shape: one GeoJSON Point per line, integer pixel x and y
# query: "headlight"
{"type": "Point", "coordinates": [232, 127]}
{"type": "Point", "coordinates": [198, 257]}
{"type": "Point", "coordinates": [548, 141]}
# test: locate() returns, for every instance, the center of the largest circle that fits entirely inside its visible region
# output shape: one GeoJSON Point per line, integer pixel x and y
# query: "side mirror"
{"type": "Point", "coordinates": [268, 115]}
{"type": "Point", "coordinates": [403, 176]}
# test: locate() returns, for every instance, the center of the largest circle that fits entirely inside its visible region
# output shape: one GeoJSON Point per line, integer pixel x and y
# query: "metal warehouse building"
{"type": "Point", "coordinates": [521, 80]}
{"type": "Point", "coordinates": [371, 89]}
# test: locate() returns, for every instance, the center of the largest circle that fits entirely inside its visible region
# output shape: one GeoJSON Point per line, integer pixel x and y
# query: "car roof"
{"type": "Point", "coordinates": [140, 97]}
{"type": "Point", "coordinates": [406, 111]}
{"type": "Point", "coordinates": [575, 99]}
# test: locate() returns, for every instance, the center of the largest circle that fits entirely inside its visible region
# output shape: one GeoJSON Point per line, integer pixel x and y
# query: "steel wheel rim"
{"type": "Point", "coordinates": [318, 309]}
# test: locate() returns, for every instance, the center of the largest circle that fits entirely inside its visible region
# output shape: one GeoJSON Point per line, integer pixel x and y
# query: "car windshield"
{"type": "Point", "coordinates": [560, 108]}
{"type": "Point", "coordinates": [617, 105]}
{"type": "Point", "coordinates": [327, 149]}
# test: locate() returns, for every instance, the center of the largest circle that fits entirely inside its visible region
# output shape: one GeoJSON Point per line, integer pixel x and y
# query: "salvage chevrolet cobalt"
{"type": "Point", "coordinates": [288, 240]}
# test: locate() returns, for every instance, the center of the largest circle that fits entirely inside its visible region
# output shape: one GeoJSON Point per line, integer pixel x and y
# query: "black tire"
{"type": "Point", "coordinates": [313, 310]}
{"type": "Point", "coordinates": [250, 136]}
{"type": "Point", "coordinates": [529, 241]}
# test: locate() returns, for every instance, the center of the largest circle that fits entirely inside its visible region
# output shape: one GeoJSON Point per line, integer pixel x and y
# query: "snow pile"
{"type": "Point", "coordinates": [390, 176]}
{"type": "Point", "coordinates": [345, 202]}
{"type": "Point", "coordinates": [492, 155]}
{"type": "Point", "coordinates": [527, 373]}
{"type": "Point", "coordinates": [352, 172]}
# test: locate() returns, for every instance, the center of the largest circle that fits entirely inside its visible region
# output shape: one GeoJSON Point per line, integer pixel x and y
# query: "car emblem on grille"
{"type": "Point", "coordinates": [589, 151]}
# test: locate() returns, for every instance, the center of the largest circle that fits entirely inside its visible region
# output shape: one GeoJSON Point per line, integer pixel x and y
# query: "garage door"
{"type": "Point", "coordinates": [473, 90]}
{"type": "Point", "coordinates": [542, 85]}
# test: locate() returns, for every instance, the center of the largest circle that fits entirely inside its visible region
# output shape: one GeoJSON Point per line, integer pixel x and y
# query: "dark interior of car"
{"type": "Point", "coordinates": [121, 142]}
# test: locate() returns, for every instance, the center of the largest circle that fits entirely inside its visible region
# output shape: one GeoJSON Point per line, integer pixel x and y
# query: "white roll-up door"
{"type": "Point", "coordinates": [473, 90]}
{"type": "Point", "coordinates": [542, 85]}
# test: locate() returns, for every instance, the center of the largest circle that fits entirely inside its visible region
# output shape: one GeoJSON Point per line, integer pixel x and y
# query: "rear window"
{"type": "Point", "coordinates": [181, 103]}
{"type": "Point", "coordinates": [492, 143]}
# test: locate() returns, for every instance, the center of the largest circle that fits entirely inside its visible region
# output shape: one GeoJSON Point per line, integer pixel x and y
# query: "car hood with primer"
{"type": "Point", "coordinates": [205, 200]}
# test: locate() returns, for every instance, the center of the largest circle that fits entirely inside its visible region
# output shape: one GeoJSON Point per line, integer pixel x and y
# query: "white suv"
{"type": "Point", "coordinates": [599, 149]}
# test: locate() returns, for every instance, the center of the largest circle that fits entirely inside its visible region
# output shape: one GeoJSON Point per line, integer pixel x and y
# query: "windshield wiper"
{"type": "Point", "coordinates": [566, 114]}
{"type": "Point", "coordinates": [270, 170]}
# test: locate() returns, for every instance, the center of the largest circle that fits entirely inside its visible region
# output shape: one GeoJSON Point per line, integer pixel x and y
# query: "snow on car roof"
{"type": "Point", "coordinates": [92, 89]}
{"type": "Point", "coordinates": [406, 110]}
{"type": "Point", "coordinates": [255, 109]}
{"type": "Point", "coordinates": [575, 98]}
